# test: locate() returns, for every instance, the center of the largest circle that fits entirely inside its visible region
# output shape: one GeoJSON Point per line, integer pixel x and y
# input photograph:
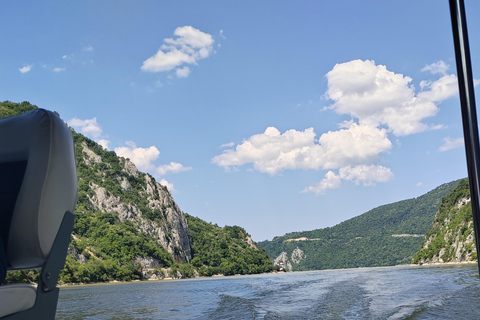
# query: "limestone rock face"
{"type": "Point", "coordinates": [282, 261]}
{"type": "Point", "coordinates": [297, 255]}
{"type": "Point", "coordinates": [451, 238]}
{"type": "Point", "coordinates": [160, 217]}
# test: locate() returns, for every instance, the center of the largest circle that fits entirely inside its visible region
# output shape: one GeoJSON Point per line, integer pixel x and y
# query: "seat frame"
{"type": "Point", "coordinates": [45, 306]}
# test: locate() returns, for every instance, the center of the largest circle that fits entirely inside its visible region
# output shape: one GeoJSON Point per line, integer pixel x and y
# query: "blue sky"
{"type": "Point", "coordinates": [276, 116]}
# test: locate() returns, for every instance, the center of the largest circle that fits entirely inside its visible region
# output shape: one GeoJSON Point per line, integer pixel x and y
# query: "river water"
{"type": "Point", "coordinates": [431, 292]}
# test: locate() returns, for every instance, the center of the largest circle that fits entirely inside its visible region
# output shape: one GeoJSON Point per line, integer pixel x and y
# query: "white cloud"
{"type": "Point", "coordinates": [376, 96]}
{"type": "Point", "coordinates": [439, 67]}
{"type": "Point", "coordinates": [368, 175]}
{"type": "Point", "coordinates": [188, 47]}
{"type": "Point", "coordinates": [378, 102]}
{"type": "Point", "coordinates": [142, 157]}
{"type": "Point", "coordinates": [26, 68]}
{"type": "Point", "coordinates": [272, 152]}
{"type": "Point", "coordinates": [222, 35]}
{"type": "Point", "coordinates": [183, 72]}
{"type": "Point", "coordinates": [228, 145]}
{"type": "Point", "coordinates": [443, 88]}
{"type": "Point", "coordinates": [169, 185]}
{"type": "Point", "coordinates": [419, 184]}
{"type": "Point", "coordinates": [172, 167]}
{"type": "Point", "coordinates": [331, 181]}
{"type": "Point", "coordinates": [88, 127]}
{"type": "Point", "coordinates": [57, 69]}
{"type": "Point", "coordinates": [88, 48]}
{"type": "Point", "coordinates": [104, 143]}
{"type": "Point", "coordinates": [449, 143]}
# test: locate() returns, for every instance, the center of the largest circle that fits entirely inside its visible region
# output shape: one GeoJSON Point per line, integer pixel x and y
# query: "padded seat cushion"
{"type": "Point", "coordinates": [16, 298]}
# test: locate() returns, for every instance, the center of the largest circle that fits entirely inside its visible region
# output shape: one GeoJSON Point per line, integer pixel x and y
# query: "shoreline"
{"type": "Point", "coordinates": [450, 263]}
{"type": "Point", "coordinates": [114, 282]}
{"type": "Point", "coordinates": [81, 284]}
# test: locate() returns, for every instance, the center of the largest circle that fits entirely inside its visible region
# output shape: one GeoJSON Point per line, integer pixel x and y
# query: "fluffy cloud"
{"type": "Point", "coordinates": [188, 47]}
{"type": "Point", "coordinates": [26, 68]}
{"type": "Point", "coordinates": [439, 67]}
{"type": "Point", "coordinates": [272, 151]}
{"type": "Point", "coordinates": [449, 144]}
{"type": "Point", "coordinates": [88, 127]}
{"type": "Point", "coordinates": [376, 96]}
{"type": "Point", "coordinates": [378, 102]}
{"type": "Point", "coordinates": [57, 69]}
{"type": "Point", "coordinates": [144, 159]}
{"type": "Point", "coordinates": [182, 72]}
{"type": "Point", "coordinates": [367, 175]}
{"type": "Point", "coordinates": [104, 143]}
{"type": "Point", "coordinates": [169, 185]}
{"type": "Point", "coordinates": [172, 167]}
{"type": "Point", "coordinates": [331, 181]}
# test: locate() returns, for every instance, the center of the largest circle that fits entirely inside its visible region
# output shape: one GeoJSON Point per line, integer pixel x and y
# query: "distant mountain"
{"type": "Point", "coordinates": [127, 226]}
{"type": "Point", "coordinates": [451, 238]}
{"type": "Point", "coordinates": [384, 236]}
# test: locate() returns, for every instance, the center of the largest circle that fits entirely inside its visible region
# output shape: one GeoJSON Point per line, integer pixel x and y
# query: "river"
{"type": "Point", "coordinates": [402, 292]}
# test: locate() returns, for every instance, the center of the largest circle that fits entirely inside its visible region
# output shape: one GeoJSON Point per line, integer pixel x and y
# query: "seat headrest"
{"type": "Point", "coordinates": [49, 186]}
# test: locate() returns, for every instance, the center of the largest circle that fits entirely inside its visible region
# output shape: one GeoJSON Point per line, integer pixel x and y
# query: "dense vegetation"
{"type": "Point", "coordinates": [387, 235]}
{"type": "Point", "coordinates": [227, 250]}
{"type": "Point", "coordinates": [451, 237]}
{"type": "Point", "coordinates": [105, 248]}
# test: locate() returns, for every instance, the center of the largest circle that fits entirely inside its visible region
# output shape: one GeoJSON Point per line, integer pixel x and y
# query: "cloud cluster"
{"type": "Point", "coordinates": [378, 102]}
{"type": "Point", "coordinates": [26, 68]}
{"type": "Point", "coordinates": [188, 47]}
{"type": "Point", "coordinates": [90, 128]}
{"type": "Point", "coordinates": [367, 175]}
{"type": "Point", "coordinates": [379, 97]}
{"type": "Point", "coordinates": [449, 144]}
{"type": "Point", "coordinates": [272, 151]}
{"type": "Point", "coordinates": [144, 159]}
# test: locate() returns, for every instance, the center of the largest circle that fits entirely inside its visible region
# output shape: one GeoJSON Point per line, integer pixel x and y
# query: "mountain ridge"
{"type": "Point", "coordinates": [387, 235]}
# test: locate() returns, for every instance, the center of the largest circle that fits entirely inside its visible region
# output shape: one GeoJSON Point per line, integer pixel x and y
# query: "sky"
{"type": "Point", "coordinates": [277, 116]}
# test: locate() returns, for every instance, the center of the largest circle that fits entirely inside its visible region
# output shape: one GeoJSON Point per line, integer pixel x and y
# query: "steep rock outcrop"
{"type": "Point", "coordinates": [151, 209]}
{"type": "Point", "coordinates": [284, 262]}
{"type": "Point", "coordinates": [451, 238]}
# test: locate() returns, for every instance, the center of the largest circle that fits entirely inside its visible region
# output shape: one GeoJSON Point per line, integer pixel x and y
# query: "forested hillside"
{"type": "Point", "coordinates": [387, 235]}
{"type": "Point", "coordinates": [127, 226]}
{"type": "Point", "coordinates": [451, 238]}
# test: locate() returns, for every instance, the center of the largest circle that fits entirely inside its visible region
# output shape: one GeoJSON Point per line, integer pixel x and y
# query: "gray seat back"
{"type": "Point", "coordinates": [43, 143]}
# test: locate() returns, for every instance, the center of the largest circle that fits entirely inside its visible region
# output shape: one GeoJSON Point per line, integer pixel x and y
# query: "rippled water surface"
{"type": "Point", "coordinates": [450, 292]}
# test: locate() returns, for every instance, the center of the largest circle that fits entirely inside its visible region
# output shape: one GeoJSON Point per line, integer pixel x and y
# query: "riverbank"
{"type": "Point", "coordinates": [63, 285]}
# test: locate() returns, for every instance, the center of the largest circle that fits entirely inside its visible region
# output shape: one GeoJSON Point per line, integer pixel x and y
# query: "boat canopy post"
{"type": "Point", "coordinates": [467, 104]}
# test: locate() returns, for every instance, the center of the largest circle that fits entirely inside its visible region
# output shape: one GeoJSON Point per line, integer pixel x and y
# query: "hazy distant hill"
{"type": "Point", "coordinates": [451, 238]}
{"type": "Point", "coordinates": [387, 235]}
{"type": "Point", "coordinates": [127, 226]}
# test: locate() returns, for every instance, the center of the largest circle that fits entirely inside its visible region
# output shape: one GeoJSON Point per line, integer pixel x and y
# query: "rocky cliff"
{"type": "Point", "coordinates": [451, 238]}
{"type": "Point", "coordinates": [162, 220]}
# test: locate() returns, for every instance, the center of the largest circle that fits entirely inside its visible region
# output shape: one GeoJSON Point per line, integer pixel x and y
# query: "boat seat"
{"type": "Point", "coordinates": [38, 192]}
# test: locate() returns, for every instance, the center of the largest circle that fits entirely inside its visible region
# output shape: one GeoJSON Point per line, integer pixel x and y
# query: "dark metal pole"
{"type": "Point", "coordinates": [469, 114]}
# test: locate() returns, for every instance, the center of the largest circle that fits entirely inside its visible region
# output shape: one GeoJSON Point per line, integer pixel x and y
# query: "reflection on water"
{"type": "Point", "coordinates": [451, 292]}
